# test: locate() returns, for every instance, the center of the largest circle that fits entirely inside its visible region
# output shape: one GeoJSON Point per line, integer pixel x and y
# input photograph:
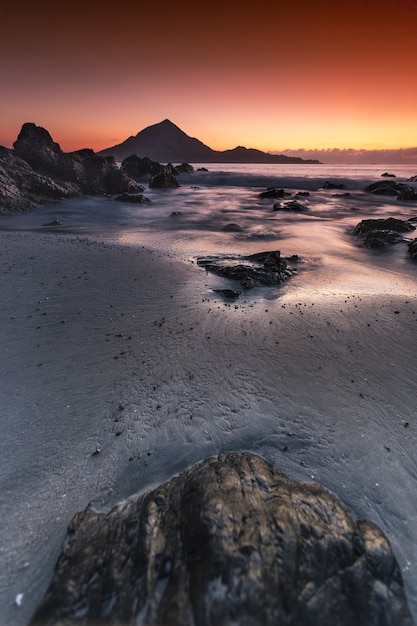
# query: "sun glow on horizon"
{"type": "Point", "coordinates": [342, 76]}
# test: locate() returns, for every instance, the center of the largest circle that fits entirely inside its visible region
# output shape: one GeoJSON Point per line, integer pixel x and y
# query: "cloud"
{"type": "Point", "coordinates": [400, 156]}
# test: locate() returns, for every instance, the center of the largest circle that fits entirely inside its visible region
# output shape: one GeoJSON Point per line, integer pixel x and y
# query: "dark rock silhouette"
{"type": "Point", "coordinates": [229, 541]}
{"type": "Point", "coordinates": [166, 142]}
{"type": "Point", "coordinates": [272, 192]}
{"type": "Point", "coordinates": [232, 228]}
{"type": "Point", "coordinates": [260, 269]}
{"type": "Point", "coordinates": [23, 189]}
{"type": "Point", "coordinates": [407, 195]}
{"type": "Point", "coordinates": [377, 233]}
{"type": "Point", "coordinates": [93, 174]}
{"type": "Point", "coordinates": [136, 198]}
{"type": "Point", "coordinates": [140, 167]}
{"type": "Point", "coordinates": [164, 179]}
{"type": "Point", "coordinates": [412, 249]}
{"type": "Point", "coordinates": [37, 171]}
{"type": "Point", "coordinates": [389, 188]}
{"type": "Point", "coordinates": [390, 223]}
{"type": "Point", "coordinates": [293, 206]}
{"type": "Point", "coordinates": [183, 168]}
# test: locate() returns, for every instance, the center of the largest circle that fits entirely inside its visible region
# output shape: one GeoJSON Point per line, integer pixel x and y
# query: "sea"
{"type": "Point", "coordinates": [217, 210]}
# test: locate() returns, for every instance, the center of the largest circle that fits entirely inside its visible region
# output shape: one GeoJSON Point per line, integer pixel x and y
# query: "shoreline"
{"type": "Point", "coordinates": [126, 350]}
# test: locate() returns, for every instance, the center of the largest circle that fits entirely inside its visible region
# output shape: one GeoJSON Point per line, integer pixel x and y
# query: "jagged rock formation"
{"type": "Point", "coordinates": [22, 189]}
{"type": "Point", "coordinates": [164, 179]}
{"type": "Point", "coordinates": [229, 541]}
{"type": "Point", "coordinates": [92, 173]}
{"type": "Point", "coordinates": [38, 171]}
{"type": "Point", "coordinates": [391, 188]}
{"type": "Point", "coordinates": [377, 233]}
{"type": "Point", "coordinates": [140, 167]}
{"type": "Point", "coordinates": [260, 269]}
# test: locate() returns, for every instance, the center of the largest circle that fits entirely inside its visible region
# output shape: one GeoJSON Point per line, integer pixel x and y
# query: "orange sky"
{"type": "Point", "coordinates": [302, 74]}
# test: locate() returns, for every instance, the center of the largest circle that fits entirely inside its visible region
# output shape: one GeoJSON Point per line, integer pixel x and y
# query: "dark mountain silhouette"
{"type": "Point", "coordinates": [165, 142]}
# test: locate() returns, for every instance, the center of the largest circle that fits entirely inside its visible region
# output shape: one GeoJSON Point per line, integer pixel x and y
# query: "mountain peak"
{"type": "Point", "coordinates": [166, 142]}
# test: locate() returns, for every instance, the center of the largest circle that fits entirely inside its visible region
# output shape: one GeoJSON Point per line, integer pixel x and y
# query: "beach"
{"type": "Point", "coordinates": [121, 367]}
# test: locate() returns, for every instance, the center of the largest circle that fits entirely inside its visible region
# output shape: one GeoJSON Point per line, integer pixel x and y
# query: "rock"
{"type": "Point", "coordinates": [303, 193]}
{"type": "Point", "coordinates": [164, 179]}
{"type": "Point", "coordinates": [136, 198]}
{"type": "Point", "coordinates": [388, 175]}
{"type": "Point", "coordinates": [86, 171]}
{"type": "Point", "coordinates": [413, 179]}
{"type": "Point", "coordinates": [272, 192]}
{"type": "Point", "coordinates": [202, 169]}
{"type": "Point", "coordinates": [380, 238]}
{"type": "Point", "coordinates": [377, 233]}
{"type": "Point", "coordinates": [229, 541]}
{"type": "Point", "coordinates": [408, 195]}
{"type": "Point", "coordinates": [390, 223]}
{"type": "Point", "coordinates": [232, 228]}
{"type": "Point", "coordinates": [412, 249]}
{"type": "Point", "coordinates": [184, 168]}
{"type": "Point", "coordinates": [23, 189]}
{"type": "Point", "coordinates": [228, 294]}
{"type": "Point", "coordinates": [330, 185]}
{"type": "Point", "coordinates": [260, 269]}
{"type": "Point", "coordinates": [387, 188]}
{"type": "Point", "coordinates": [293, 206]}
{"type": "Point", "coordinates": [175, 214]}
{"type": "Point", "coordinates": [140, 167]}
{"type": "Point", "coordinates": [53, 223]}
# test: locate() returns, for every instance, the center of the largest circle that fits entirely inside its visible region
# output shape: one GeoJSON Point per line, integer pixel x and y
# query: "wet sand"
{"type": "Point", "coordinates": [126, 350]}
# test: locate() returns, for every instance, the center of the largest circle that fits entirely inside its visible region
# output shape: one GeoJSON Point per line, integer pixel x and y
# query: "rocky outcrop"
{"type": "Point", "coordinates": [164, 179]}
{"type": "Point", "coordinates": [140, 167]}
{"type": "Point", "coordinates": [183, 168]}
{"type": "Point", "coordinates": [135, 198]}
{"type": "Point", "coordinates": [229, 541]}
{"type": "Point", "coordinates": [260, 269]}
{"type": "Point", "coordinates": [293, 206]}
{"type": "Point", "coordinates": [391, 188]}
{"type": "Point", "coordinates": [272, 192]}
{"type": "Point", "coordinates": [377, 233]}
{"type": "Point", "coordinates": [91, 173]}
{"type": "Point", "coordinates": [23, 189]}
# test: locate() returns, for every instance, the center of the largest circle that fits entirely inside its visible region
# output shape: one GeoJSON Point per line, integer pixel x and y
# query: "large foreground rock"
{"type": "Point", "coordinates": [229, 541]}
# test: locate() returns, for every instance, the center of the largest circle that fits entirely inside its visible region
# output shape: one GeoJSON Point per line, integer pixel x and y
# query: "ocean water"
{"type": "Point", "coordinates": [196, 219]}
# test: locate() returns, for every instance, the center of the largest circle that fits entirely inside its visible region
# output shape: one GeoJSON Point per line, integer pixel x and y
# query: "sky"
{"type": "Point", "coordinates": [280, 75]}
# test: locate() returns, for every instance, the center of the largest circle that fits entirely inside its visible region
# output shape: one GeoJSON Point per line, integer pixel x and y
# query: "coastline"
{"type": "Point", "coordinates": [124, 349]}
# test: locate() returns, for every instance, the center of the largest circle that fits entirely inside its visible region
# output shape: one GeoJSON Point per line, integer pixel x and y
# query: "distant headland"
{"type": "Point", "coordinates": [166, 142]}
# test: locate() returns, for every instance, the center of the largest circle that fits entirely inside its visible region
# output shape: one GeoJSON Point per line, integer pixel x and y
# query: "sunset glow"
{"type": "Point", "coordinates": [299, 75]}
